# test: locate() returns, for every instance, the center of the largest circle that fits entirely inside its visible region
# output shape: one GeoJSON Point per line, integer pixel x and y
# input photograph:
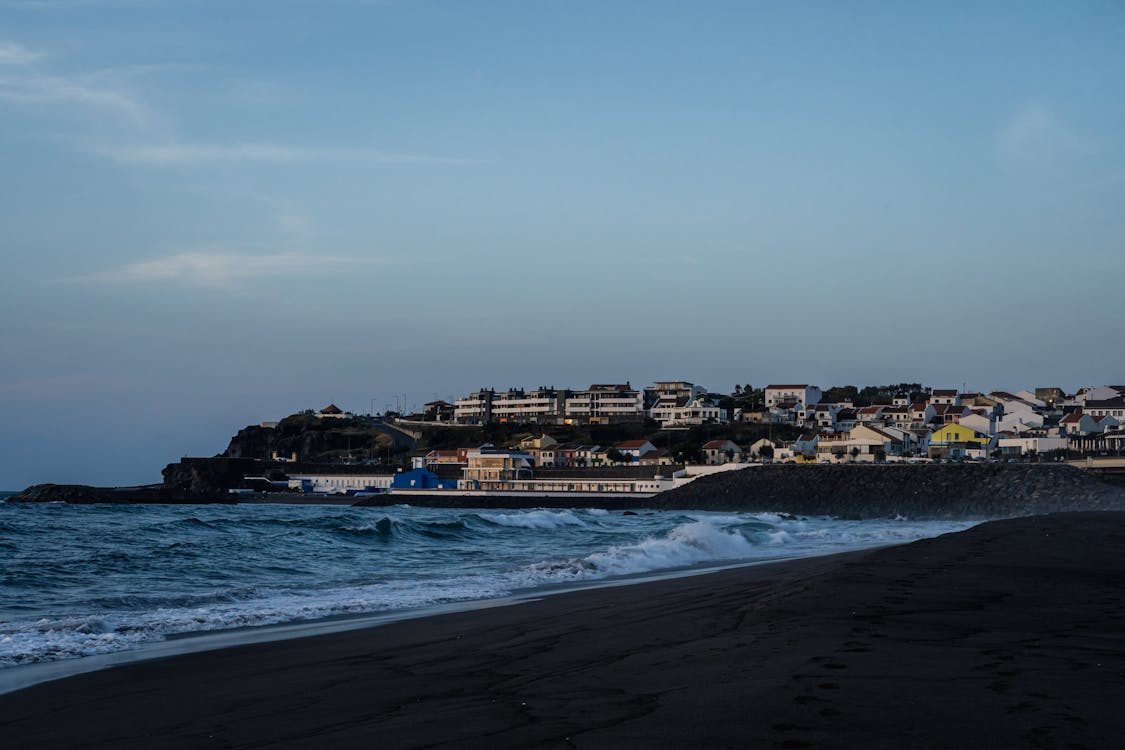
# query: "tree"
{"type": "Point", "coordinates": [855, 452]}
{"type": "Point", "coordinates": [615, 456]}
{"type": "Point", "coordinates": [766, 451]}
{"type": "Point", "coordinates": [838, 393]}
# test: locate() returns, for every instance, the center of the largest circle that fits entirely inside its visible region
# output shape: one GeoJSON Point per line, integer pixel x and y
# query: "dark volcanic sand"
{"type": "Point", "coordinates": [1009, 635]}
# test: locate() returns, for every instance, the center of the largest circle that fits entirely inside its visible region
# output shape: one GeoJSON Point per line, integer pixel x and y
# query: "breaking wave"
{"type": "Point", "coordinates": [98, 579]}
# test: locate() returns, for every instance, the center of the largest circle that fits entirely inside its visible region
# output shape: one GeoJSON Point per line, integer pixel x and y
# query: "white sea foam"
{"type": "Point", "coordinates": [535, 519]}
{"type": "Point", "coordinates": [687, 544]}
{"type": "Point", "coordinates": [50, 639]}
{"type": "Point", "coordinates": [156, 577]}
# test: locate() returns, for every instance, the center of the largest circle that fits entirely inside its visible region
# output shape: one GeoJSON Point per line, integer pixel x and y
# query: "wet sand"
{"type": "Point", "coordinates": [1010, 634]}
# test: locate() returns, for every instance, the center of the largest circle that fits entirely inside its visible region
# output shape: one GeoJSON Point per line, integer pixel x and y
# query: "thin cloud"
{"type": "Point", "coordinates": [223, 270]}
{"type": "Point", "coordinates": [46, 89]}
{"type": "Point", "coordinates": [16, 54]}
{"type": "Point", "coordinates": [184, 154]}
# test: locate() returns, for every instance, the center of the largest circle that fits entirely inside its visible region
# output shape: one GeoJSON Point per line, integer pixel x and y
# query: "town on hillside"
{"type": "Point", "coordinates": [618, 439]}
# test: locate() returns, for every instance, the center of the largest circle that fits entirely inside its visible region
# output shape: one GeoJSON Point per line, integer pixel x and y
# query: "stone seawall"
{"type": "Point", "coordinates": [913, 490]}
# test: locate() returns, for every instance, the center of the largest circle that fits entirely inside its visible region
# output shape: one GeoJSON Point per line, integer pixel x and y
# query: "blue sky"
{"type": "Point", "coordinates": [217, 213]}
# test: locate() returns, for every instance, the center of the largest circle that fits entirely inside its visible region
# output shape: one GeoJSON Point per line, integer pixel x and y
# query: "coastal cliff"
{"type": "Point", "coordinates": [916, 491]}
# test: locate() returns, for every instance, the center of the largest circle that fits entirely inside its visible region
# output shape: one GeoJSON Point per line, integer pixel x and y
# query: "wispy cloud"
{"type": "Point", "coordinates": [16, 54]}
{"type": "Point", "coordinates": [48, 89]}
{"type": "Point", "coordinates": [187, 154]}
{"type": "Point", "coordinates": [224, 270]}
{"type": "Point", "coordinates": [23, 82]}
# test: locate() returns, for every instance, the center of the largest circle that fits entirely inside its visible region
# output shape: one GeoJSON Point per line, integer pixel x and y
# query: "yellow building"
{"type": "Point", "coordinates": [952, 440]}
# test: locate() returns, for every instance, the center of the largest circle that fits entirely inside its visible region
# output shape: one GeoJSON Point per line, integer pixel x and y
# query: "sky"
{"type": "Point", "coordinates": [216, 213]}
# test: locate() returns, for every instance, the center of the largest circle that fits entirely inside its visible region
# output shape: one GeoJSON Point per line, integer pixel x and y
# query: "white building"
{"type": "Point", "coordinates": [696, 412]}
{"type": "Point", "coordinates": [605, 403]}
{"type": "Point", "coordinates": [803, 394]}
{"type": "Point", "coordinates": [1110, 407]}
{"type": "Point", "coordinates": [942, 396]}
{"type": "Point", "coordinates": [340, 483]}
{"type": "Point", "coordinates": [541, 406]}
{"type": "Point", "coordinates": [1020, 446]}
{"type": "Point", "coordinates": [476, 408]}
{"type": "Point", "coordinates": [718, 452]}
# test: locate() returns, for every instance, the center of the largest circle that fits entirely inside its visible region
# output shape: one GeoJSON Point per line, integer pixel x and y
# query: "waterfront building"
{"type": "Point", "coordinates": [717, 452]}
{"type": "Point", "coordinates": [1111, 407]}
{"type": "Point", "coordinates": [955, 440]}
{"type": "Point", "coordinates": [864, 443]}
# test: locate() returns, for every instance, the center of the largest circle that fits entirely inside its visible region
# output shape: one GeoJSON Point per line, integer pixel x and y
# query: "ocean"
{"type": "Point", "coordinates": [77, 581]}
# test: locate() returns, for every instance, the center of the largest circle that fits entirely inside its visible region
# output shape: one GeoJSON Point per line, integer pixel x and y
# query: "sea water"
{"type": "Point", "coordinates": [82, 580]}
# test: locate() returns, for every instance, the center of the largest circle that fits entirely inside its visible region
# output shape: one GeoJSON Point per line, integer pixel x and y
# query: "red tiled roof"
{"type": "Point", "coordinates": [632, 444]}
{"type": "Point", "coordinates": [786, 387]}
{"type": "Point", "coordinates": [715, 445]}
{"type": "Point", "coordinates": [332, 409]}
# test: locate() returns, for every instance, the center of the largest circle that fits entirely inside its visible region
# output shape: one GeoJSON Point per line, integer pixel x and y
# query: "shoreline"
{"type": "Point", "coordinates": [13, 679]}
{"type": "Point", "coordinates": [1007, 634]}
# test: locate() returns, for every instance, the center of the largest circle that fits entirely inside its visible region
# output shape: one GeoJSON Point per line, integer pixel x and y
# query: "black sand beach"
{"type": "Point", "coordinates": [1007, 635]}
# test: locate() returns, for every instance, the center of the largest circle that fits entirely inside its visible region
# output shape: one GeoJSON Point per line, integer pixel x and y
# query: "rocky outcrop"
{"type": "Point", "coordinates": [313, 439]}
{"type": "Point", "coordinates": [210, 474]}
{"type": "Point", "coordinates": [915, 491]}
{"type": "Point", "coordinates": [81, 494]}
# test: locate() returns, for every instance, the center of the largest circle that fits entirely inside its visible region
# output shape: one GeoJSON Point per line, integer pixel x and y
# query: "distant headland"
{"type": "Point", "coordinates": [790, 448]}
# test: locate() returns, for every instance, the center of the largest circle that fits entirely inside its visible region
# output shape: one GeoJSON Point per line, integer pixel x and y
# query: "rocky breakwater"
{"type": "Point", "coordinates": [889, 490]}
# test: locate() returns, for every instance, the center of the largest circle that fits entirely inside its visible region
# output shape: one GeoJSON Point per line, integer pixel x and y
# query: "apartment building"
{"type": "Point", "coordinates": [541, 406]}
{"type": "Point", "coordinates": [605, 403]}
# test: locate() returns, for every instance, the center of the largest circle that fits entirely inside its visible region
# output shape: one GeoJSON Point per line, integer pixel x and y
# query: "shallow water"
{"type": "Point", "coordinates": [83, 580]}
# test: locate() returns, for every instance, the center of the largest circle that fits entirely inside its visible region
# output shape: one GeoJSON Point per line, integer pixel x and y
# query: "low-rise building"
{"type": "Point", "coordinates": [692, 413]}
{"type": "Point", "coordinates": [488, 468]}
{"type": "Point", "coordinates": [1111, 407]}
{"type": "Point", "coordinates": [955, 440]}
{"type": "Point", "coordinates": [634, 449]}
{"type": "Point", "coordinates": [718, 452]}
{"type": "Point", "coordinates": [801, 394]}
{"type": "Point", "coordinates": [864, 443]}
{"type": "Point", "coordinates": [944, 396]}
{"type": "Point", "coordinates": [1032, 444]}
{"type": "Point", "coordinates": [331, 412]}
